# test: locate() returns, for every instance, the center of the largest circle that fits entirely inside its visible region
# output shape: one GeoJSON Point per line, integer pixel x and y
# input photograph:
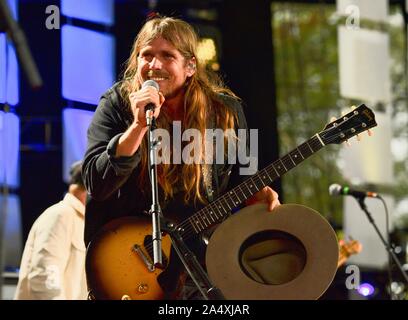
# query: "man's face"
{"type": "Point", "coordinates": [162, 62]}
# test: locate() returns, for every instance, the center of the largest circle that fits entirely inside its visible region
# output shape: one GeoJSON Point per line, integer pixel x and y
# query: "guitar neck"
{"type": "Point", "coordinates": [221, 208]}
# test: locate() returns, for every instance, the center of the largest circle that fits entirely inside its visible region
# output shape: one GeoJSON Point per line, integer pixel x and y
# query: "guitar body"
{"type": "Point", "coordinates": [114, 270]}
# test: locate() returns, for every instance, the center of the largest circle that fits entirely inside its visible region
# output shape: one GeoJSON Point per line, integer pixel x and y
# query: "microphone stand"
{"type": "Point", "coordinates": [155, 209]}
{"type": "Point", "coordinates": [387, 246]}
{"type": "Point", "coordinates": [191, 264]}
{"type": "Point", "coordinates": [189, 260]}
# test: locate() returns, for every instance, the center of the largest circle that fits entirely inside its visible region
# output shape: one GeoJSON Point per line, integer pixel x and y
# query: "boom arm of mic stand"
{"type": "Point", "coordinates": [8, 24]}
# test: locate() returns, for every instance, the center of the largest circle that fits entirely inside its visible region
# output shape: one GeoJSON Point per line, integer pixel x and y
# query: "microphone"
{"type": "Point", "coordinates": [154, 84]}
{"type": "Point", "coordinates": [336, 190]}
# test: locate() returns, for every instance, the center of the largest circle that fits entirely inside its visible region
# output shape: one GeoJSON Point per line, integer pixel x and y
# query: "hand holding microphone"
{"type": "Point", "coordinates": [148, 100]}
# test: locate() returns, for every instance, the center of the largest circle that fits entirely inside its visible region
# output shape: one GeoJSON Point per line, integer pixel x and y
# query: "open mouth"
{"type": "Point", "coordinates": [156, 76]}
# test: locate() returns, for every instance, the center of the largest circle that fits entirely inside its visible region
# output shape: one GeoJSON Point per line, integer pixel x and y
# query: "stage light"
{"type": "Point", "coordinates": [206, 50]}
{"type": "Point", "coordinates": [207, 53]}
{"type": "Point", "coordinates": [366, 289]}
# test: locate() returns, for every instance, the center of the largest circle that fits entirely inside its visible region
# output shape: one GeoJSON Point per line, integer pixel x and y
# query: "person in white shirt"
{"type": "Point", "coordinates": [53, 261]}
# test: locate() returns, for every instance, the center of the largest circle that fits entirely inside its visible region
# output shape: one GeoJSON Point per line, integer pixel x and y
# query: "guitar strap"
{"type": "Point", "coordinates": [211, 173]}
{"type": "Point", "coordinates": [208, 170]}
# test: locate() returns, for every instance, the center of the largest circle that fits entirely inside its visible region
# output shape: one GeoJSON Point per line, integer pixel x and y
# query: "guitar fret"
{"type": "Point", "coordinates": [272, 174]}
{"type": "Point", "coordinates": [277, 173]}
{"type": "Point", "coordinates": [205, 216]}
{"type": "Point", "coordinates": [294, 156]}
{"type": "Point", "coordinates": [225, 200]}
{"type": "Point", "coordinates": [300, 153]}
{"type": "Point", "coordinates": [278, 168]}
{"type": "Point", "coordinates": [304, 150]}
{"type": "Point", "coordinates": [316, 143]}
{"type": "Point", "coordinates": [256, 184]}
{"type": "Point", "coordinates": [212, 213]}
{"type": "Point", "coordinates": [259, 178]}
{"type": "Point", "coordinates": [283, 164]}
{"type": "Point", "coordinates": [320, 139]}
{"type": "Point", "coordinates": [294, 163]}
{"type": "Point", "coordinates": [250, 187]}
{"type": "Point", "coordinates": [230, 200]}
{"type": "Point", "coordinates": [191, 222]}
{"type": "Point", "coordinates": [220, 206]}
{"type": "Point", "coordinates": [266, 171]}
{"type": "Point", "coordinates": [198, 222]}
{"type": "Point", "coordinates": [240, 194]}
{"type": "Point", "coordinates": [242, 191]}
{"type": "Point", "coordinates": [263, 177]}
{"type": "Point", "coordinates": [247, 186]}
{"type": "Point", "coordinates": [289, 163]}
{"type": "Point", "coordinates": [307, 142]}
{"type": "Point", "coordinates": [232, 192]}
{"type": "Point", "coordinates": [220, 213]}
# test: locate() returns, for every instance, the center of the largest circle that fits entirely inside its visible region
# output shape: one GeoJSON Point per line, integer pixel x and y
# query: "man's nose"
{"type": "Point", "coordinates": [155, 64]}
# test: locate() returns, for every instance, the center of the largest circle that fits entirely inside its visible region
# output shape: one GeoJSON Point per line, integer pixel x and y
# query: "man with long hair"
{"type": "Point", "coordinates": [116, 161]}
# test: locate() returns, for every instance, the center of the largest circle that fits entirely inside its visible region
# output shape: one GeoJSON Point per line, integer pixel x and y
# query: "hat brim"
{"type": "Point", "coordinates": [224, 253]}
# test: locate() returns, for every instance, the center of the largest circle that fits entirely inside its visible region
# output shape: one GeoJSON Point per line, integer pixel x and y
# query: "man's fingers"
{"type": "Point", "coordinates": [274, 204]}
{"type": "Point", "coordinates": [273, 199]}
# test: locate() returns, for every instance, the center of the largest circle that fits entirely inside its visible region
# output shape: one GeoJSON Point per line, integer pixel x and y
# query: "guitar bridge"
{"type": "Point", "coordinates": [146, 260]}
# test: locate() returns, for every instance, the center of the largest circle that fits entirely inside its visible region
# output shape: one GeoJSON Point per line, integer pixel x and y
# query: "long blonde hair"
{"type": "Point", "coordinates": [201, 100]}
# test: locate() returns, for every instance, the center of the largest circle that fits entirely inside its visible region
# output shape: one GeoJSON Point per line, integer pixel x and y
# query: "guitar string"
{"type": "Point", "coordinates": [267, 170]}
{"type": "Point", "coordinates": [187, 225]}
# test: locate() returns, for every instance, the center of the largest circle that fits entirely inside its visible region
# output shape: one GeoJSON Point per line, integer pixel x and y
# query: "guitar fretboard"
{"type": "Point", "coordinates": [221, 208]}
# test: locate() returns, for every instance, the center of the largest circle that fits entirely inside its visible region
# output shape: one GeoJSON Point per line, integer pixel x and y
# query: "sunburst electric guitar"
{"type": "Point", "coordinates": [119, 258]}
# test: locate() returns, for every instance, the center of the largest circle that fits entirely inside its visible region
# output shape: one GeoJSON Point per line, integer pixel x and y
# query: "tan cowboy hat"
{"type": "Point", "coordinates": [290, 253]}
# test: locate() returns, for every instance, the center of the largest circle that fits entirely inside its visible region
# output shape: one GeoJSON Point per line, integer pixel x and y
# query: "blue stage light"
{"type": "Point", "coordinates": [91, 10]}
{"type": "Point", "coordinates": [366, 289]}
{"type": "Point", "coordinates": [9, 149]}
{"type": "Point", "coordinates": [88, 64]}
{"type": "Point", "coordinates": [75, 125]}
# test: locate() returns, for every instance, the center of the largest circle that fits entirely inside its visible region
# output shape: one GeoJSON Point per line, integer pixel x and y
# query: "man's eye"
{"type": "Point", "coordinates": [147, 56]}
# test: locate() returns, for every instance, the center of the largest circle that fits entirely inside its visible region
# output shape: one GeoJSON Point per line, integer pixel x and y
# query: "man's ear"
{"type": "Point", "coordinates": [191, 67]}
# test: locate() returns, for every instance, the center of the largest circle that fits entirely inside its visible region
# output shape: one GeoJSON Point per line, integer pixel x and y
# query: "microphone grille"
{"type": "Point", "coordinates": [151, 83]}
{"type": "Point", "coordinates": [335, 189]}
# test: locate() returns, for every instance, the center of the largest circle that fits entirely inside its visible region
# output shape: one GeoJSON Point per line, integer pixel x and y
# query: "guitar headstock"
{"type": "Point", "coordinates": [359, 120]}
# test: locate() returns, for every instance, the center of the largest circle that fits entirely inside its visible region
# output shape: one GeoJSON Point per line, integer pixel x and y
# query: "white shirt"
{"type": "Point", "coordinates": [53, 262]}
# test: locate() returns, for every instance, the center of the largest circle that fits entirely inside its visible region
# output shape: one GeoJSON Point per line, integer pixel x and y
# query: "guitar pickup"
{"type": "Point", "coordinates": [146, 260]}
